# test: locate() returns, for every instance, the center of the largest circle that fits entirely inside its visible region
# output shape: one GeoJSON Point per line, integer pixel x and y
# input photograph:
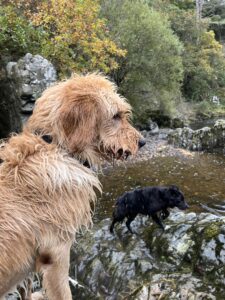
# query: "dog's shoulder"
{"type": "Point", "coordinates": [126, 198]}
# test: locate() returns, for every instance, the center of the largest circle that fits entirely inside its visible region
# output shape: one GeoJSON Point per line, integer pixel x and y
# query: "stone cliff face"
{"type": "Point", "coordinates": [33, 75]}
{"type": "Point", "coordinates": [21, 83]}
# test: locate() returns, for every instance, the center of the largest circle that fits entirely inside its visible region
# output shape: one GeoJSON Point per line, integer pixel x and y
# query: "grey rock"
{"type": "Point", "coordinates": [27, 108]}
{"type": "Point", "coordinates": [206, 138]}
{"type": "Point", "coordinates": [221, 238]}
{"type": "Point", "coordinates": [10, 68]}
{"type": "Point", "coordinates": [208, 254]}
{"type": "Point", "coordinates": [33, 74]}
{"type": "Point", "coordinates": [153, 127]}
{"type": "Point", "coordinates": [26, 90]}
{"type": "Point", "coordinates": [166, 262]}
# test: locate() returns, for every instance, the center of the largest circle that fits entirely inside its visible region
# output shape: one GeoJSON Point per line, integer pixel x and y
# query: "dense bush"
{"type": "Point", "coordinates": [203, 57]}
{"type": "Point", "coordinates": [73, 36]}
{"type": "Point", "coordinates": [17, 35]}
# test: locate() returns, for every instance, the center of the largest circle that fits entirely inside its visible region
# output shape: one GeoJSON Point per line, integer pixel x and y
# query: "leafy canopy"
{"type": "Point", "coordinates": [75, 38]}
{"type": "Point", "coordinates": [151, 72]}
{"type": "Point", "coordinates": [203, 57]}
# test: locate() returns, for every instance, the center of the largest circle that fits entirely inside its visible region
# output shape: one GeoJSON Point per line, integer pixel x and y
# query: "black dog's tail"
{"type": "Point", "coordinates": [119, 213]}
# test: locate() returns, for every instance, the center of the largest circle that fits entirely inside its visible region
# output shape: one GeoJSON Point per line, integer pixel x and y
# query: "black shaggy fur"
{"type": "Point", "coordinates": [147, 201]}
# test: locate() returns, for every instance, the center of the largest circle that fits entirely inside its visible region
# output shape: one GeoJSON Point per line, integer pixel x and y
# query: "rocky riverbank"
{"type": "Point", "coordinates": [205, 139]}
{"type": "Point", "coordinates": [157, 146]}
{"type": "Point", "coordinates": [184, 262]}
{"type": "Point", "coordinates": [182, 142]}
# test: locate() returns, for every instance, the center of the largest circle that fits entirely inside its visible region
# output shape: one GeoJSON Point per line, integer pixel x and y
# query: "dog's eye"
{"type": "Point", "coordinates": [117, 116]}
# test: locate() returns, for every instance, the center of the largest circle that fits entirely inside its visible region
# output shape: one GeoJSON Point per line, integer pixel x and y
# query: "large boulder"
{"type": "Point", "coordinates": [206, 138]}
{"type": "Point", "coordinates": [184, 262]}
{"type": "Point", "coordinates": [33, 74]}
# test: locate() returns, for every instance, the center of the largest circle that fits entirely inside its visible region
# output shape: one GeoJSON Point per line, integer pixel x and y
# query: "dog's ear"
{"type": "Point", "coordinates": [174, 188]}
{"type": "Point", "coordinates": [79, 122]}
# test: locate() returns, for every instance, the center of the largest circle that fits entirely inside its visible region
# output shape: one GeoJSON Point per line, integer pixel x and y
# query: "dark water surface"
{"type": "Point", "coordinates": [200, 176]}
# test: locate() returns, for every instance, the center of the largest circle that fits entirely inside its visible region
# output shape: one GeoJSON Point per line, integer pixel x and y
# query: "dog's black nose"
{"type": "Point", "coordinates": [141, 143]}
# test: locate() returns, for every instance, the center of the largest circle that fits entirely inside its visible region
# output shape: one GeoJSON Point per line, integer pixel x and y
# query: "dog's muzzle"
{"type": "Point", "coordinates": [184, 206]}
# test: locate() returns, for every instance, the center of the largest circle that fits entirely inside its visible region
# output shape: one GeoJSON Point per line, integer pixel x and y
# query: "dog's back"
{"type": "Point", "coordinates": [120, 207]}
{"type": "Point", "coordinates": [43, 200]}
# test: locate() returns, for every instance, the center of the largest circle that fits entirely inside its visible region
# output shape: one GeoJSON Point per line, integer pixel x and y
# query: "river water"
{"type": "Point", "coordinates": [200, 176]}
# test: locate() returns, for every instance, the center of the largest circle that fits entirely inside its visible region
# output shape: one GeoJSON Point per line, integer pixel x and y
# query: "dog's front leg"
{"type": "Point", "coordinates": [164, 214]}
{"type": "Point", "coordinates": [55, 269]}
{"type": "Point", "coordinates": [158, 221]}
{"type": "Point", "coordinates": [129, 220]}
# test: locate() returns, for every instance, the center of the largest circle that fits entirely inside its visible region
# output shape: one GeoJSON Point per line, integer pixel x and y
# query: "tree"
{"type": "Point", "coordinates": [76, 39]}
{"type": "Point", "coordinates": [151, 72]}
{"type": "Point", "coordinates": [199, 6]}
{"type": "Point", "coordinates": [203, 58]}
{"type": "Point", "coordinates": [17, 35]}
{"type": "Point", "coordinates": [214, 8]}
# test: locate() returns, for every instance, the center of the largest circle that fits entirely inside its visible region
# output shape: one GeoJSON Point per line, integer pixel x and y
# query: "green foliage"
{"type": "Point", "coordinates": [72, 36]}
{"type": "Point", "coordinates": [17, 35]}
{"type": "Point", "coordinates": [78, 38]}
{"type": "Point", "coordinates": [154, 49]}
{"type": "Point", "coordinates": [184, 4]}
{"type": "Point", "coordinates": [203, 58]}
{"type": "Point", "coordinates": [151, 72]}
{"type": "Point", "coordinates": [214, 8]}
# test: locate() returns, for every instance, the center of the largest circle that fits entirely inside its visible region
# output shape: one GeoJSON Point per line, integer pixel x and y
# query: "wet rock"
{"type": "Point", "coordinates": [152, 264]}
{"type": "Point", "coordinates": [177, 286]}
{"type": "Point", "coordinates": [208, 254]}
{"type": "Point", "coordinates": [153, 127]}
{"type": "Point", "coordinates": [202, 139]}
{"type": "Point", "coordinates": [149, 126]}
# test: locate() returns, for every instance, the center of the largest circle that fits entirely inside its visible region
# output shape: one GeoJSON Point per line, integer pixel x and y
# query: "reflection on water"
{"type": "Point", "coordinates": [201, 177]}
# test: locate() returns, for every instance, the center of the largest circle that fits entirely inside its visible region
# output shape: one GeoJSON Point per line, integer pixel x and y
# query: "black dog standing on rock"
{"type": "Point", "coordinates": [147, 201]}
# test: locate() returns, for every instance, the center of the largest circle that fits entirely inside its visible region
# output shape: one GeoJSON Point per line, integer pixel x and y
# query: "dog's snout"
{"type": "Point", "coordinates": [141, 143]}
{"type": "Point", "coordinates": [184, 206]}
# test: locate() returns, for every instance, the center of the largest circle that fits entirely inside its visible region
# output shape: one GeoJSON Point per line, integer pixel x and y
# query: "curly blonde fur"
{"type": "Point", "coordinates": [46, 193]}
{"type": "Point", "coordinates": [86, 116]}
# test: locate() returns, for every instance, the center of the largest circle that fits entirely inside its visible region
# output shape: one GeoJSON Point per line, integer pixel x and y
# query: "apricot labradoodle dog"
{"type": "Point", "coordinates": [46, 190]}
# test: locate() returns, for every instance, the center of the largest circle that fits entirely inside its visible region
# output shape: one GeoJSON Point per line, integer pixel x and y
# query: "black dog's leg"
{"type": "Point", "coordinates": [112, 226]}
{"type": "Point", "coordinates": [164, 214]}
{"type": "Point", "coordinates": [158, 221]}
{"type": "Point", "coordinates": [129, 220]}
{"type": "Point", "coordinates": [115, 220]}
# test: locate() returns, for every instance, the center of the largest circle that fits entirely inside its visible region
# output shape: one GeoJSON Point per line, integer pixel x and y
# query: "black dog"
{"type": "Point", "coordinates": [147, 201]}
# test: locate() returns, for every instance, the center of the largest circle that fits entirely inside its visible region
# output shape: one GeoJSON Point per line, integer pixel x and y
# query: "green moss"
{"type": "Point", "coordinates": [212, 230]}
